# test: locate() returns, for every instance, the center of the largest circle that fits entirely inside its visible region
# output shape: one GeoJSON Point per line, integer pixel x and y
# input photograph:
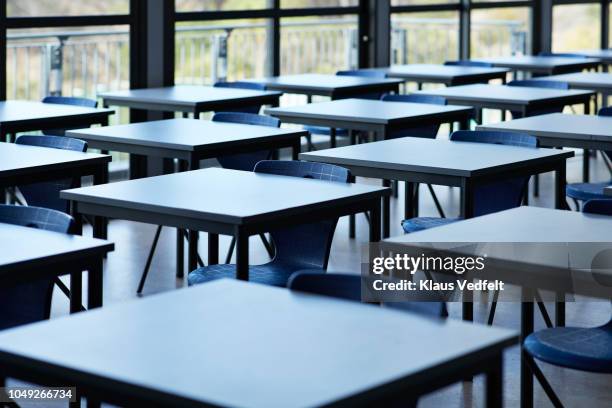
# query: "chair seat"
{"type": "Point", "coordinates": [585, 349]}
{"type": "Point", "coordinates": [423, 223]}
{"type": "Point", "coordinates": [586, 191]}
{"type": "Point", "coordinates": [321, 130]}
{"type": "Point", "coordinates": [272, 273]}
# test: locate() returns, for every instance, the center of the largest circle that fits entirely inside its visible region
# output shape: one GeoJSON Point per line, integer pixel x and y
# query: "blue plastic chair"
{"type": "Point", "coordinates": [67, 100]}
{"type": "Point", "coordinates": [583, 349]}
{"type": "Point", "coordinates": [30, 302]}
{"type": "Point", "coordinates": [580, 192]}
{"type": "Point", "coordinates": [469, 63]}
{"type": "Point", "coordinates": [243, 161]}
{"type": "Point", "coordinates": [490, 198]}
{"type": "Point", "coordinates": [243, 85]}
{"type": "Point", "coordinates": [348, 286]}
{"type": "Point", "coordinates": [305, 246]}
{"type": "Point", "coordinates": [46, 194]}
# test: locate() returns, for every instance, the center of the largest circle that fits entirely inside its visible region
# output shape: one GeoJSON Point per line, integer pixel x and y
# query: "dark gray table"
{"type": "Point", "coordinates": [230, 202]}
{"type": "Point", "coordinates": [442, 162]}
{"type": "Point", "coordinates": [592, 81]}
{"type": "Point", "coordinates": [512, 98]}
{"type": "Point", "coordinates": [449, 75]}
{"type": "Point", "coordinates": [189, 140]}
{"type": "Point", "coordinates": [543, 65]}
{"type": "Point", "coordinates": [189, 98]}
{"type": "Point", "coordinates": [247, 345]}
{"type": "Point", "coordinates": [29, 254]}
{"type": "Point", "coordinates": [564, 130]}
{"type": "Point", "coordinates": [604, 55]}
{"type": "Point", "coordinates": [334, 86]}
{"type": "Point", "coordinates": [527, 225]}
{"type": "Point", "coordinates": [20, 164]}
{"type": "Point", "coordinates": [369, 115]}
{"type": "Point", "coordinates": [24, 116]}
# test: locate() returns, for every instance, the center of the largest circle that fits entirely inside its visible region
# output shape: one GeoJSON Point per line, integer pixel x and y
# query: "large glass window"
{"type": "Point", "coordinates": [499, 32]}
{"type": "Point", "coordinates": [33, 8]}
{"type": "Point", "coordinates": [576, 26]}
{"type": "Point", "coordinates": [430, 37]}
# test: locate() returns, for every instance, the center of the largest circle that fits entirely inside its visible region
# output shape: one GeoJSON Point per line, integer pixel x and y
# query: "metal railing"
{"type": "Point", "coordinates": [84, 63]}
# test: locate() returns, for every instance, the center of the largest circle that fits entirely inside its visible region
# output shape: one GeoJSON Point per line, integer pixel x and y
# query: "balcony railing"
{"type": "Point", "coordinates": [84, 63]}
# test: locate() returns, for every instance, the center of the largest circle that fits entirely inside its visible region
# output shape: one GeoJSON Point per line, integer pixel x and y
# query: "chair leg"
{"type": "Point", "coordinates": [268, 244]}
{"type": "Point", "coordinates": [543, 310]}
{"type": "Point", "coordinates": [543, 381]}
{"type": "Point", "coordinates": [62, 286]}
{"type": "Point", "coordinates": [145, 271]}
{"type": "Point", "coordinates": [230, 251]}
{"type": "Point", "coordinates": [436, 201]}
{"type": "Point", "coordinates": [493, 307]}
{"type": "Point", "coordinates": [200, 261]}
{"type": "Point", "coordinates": [606, 161]}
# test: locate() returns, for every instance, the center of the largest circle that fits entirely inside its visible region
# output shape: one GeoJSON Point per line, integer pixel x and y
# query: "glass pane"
{"type": "Point", "coordinates": [317, 3]}
{"type": "Point", "coordinates": [415, 2]}
{"type": "Point", "coordinates": [500, 32]}
{"type": "Point", "coordinates": [318, 44]}
{"type": "Point", "coordinates": [431, 37]}
{"type": "Point", "coordinates": [219, 5]}
{"type": "Point", "coordinates": [21, 8]}
{"type": "Point", "coordinates": [575, 27]}
{"type": "Point", "coordinates": [220, 50]}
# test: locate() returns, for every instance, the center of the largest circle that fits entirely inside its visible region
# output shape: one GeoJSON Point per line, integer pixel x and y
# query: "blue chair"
{"type": "Point", "coordinates": [30, 302]}
{"type": "Point", "coordinates": [426, 131]}
{"type": "Point", "coordinates": [304, 246]}
{"type": "Point", "coordinates": [580, 192]}
{"type": "Point", "coordinates": [469, 63]}
{"type": "Point", "coordinates": [46, 194]}
{"type": "Point", "coordinates": [583, 349]}
{"type": "Point", "coordinates": [348, 286]}
{"type": "Point", "coordinates": [243, 85]}
{"type": "Point", "coordinates": [67, 100]}
{"type": "Point", "coordinates": [489, 198]}
{"type": "Point", "coordinates": [243, 161]}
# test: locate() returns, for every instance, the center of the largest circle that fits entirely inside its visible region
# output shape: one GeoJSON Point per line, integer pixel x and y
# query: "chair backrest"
{"type": "Point", "coordinates": [243, 85]}
{"type": "Point", "coordinates": [561, 54]}
{"type": "Point", "coordinates": [469, 63]}
{"type": "Point", "coordinates": [67, 100]}
{"type": "Point", "coordinates": [367, 74]}
{"type": "Point", "coordinates": [305, 246]}
{"type": "Point", "coordinates": [503, 194]}
{"type": "Point", "coordinates": [244, 161]}
{"type": "Point", "coordinates": [425, 131]}
{"type": "Point", "coordinates": [30, 302]}
{"type": "Point", "coordinates": [46, 194]}
{"type": "Point", "coordinates": [348, 286]}
{"type": "Point", "coordinates": [534, 83]}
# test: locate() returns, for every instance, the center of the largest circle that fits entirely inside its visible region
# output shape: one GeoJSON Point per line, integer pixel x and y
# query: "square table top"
{"type": "Point", "coordinates": [559, 125]}
{"type": "Point", "coordinates": [31, 111]}
{"type": "Point", "coordinates": [24, 247]}
{"type": "Point", "coordinates": [433, 156]}
{"type": "Point", "coordinates": [324, 83]}
{"type": "Point", "coordinates": [17, 160]}
{"type": "Point", "coordinates": [227, 196]}
{"type": "Point", "coordinates": [442, 72]}
{"type": "Point", "coordinates": [249, 345]}
{"type": "Point", "coordinates": [188, 96]}
{"type": "Point", "coordinates": [183, 134]}
{"type": "Point", "coordinates": [504, 94]}
{"type": "Point", "coordinates": [540, 62]}
{"type": "Point", "coordinates": [367, 111]}
{"type": "Point", "coordinates": [583, 80]}
{"type": "Point", "coordinates": [604, 55]}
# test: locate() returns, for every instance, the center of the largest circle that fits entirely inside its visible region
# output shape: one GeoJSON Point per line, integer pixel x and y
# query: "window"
{"type": "Point", "coordinates": [499, 32]}
{"type": "Point", "coordinates": [575, 27]}
{"type": "Point", "coordinates": [29, 8]}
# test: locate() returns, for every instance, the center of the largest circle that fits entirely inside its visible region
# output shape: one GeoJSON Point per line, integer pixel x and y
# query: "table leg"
{"type": "Point", "coordinates": [295, 150]}
{"type": "Point", "coordinates": [409, 210]}
{"type": "Point", "coordinates": [242, 254]}
{"type": "Point", "coordinates": [467, 198]}
{"type": "Point", "coordinates": [526, 329]}
{"type": "Point", "coordinates": [76, 291]}
{"type": "Point", "coordinates": [100, 224]}
{"type": "Point", "coordinates": [192, 259]}
{"type": "Point", "coordinates": [386, 212]}
{"type": "Point", "coordinates": [375, 221]}
{"type": "Point", "coordinates": [213, 249]}
{"type": "Point", "coordinates": [560, 183]}
{"type": "Point", "coordinates": [180, 253]}
{"type": "Point", "coordinates": [332, 137]}
{"type": "Point", "coordinates": [352, 216]}
{"type": "Point", "coordinates": [95, 285]}
{"type": "Point", "coordinates": [585, 165]}
{"type": "Point", "coordinates": [560, 310]}
{"type": "Point", "coordinates": [494, 393]}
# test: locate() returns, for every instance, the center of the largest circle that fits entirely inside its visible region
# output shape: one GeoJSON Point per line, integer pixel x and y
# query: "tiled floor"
{"type": "Point", "coordinates": [124, 266]}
